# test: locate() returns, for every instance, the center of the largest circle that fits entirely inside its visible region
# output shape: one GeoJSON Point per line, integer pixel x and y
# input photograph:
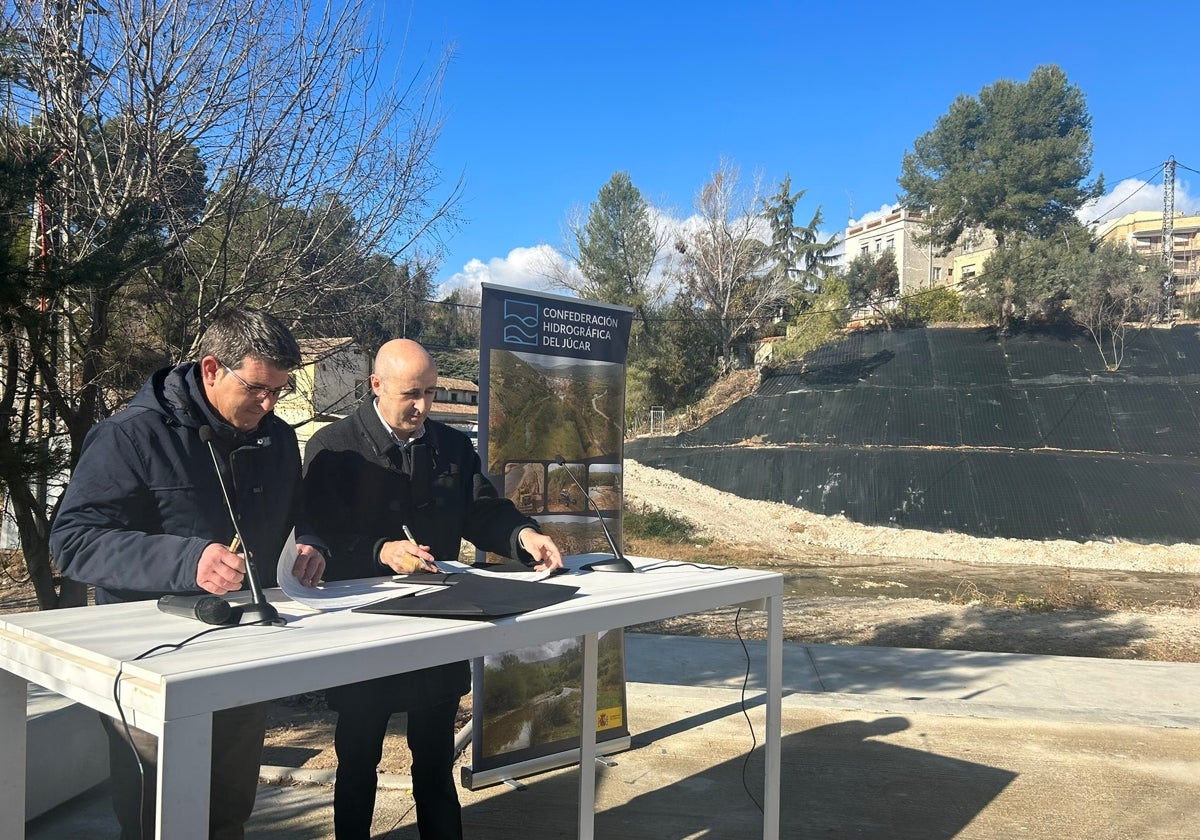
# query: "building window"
{"type": "Point", "coordinates": [891, 243]}
{"type": "Point", "coordinates": [454, 396]}
{"type": "Point", "coordinates": [866, 248]}
{"type": "Point", "coordinates": [878, 245]}
{"type": "Point", "coordinates": [937, 273]}
{"type": "Point", "coordinates": [968, 271]}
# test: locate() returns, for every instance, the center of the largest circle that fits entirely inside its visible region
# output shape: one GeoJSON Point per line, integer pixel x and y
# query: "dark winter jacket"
{"type": "Point", "coordinates": [361, 488]}
{"type": "Point", "coordinates": [144, 501]}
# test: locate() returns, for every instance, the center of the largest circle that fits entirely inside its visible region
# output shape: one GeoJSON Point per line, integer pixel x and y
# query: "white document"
{"type": "Point", "coordinates": [455, 566]}
{"type": "Point", "coordinates": [338, 595]}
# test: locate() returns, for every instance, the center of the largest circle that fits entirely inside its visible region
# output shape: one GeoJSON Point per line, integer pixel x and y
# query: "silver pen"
{"type": "Point", "coordinates": [427, 566]}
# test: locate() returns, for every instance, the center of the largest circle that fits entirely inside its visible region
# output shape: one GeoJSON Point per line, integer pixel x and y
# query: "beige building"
{"type": "Point", "coordinates": [456, 402]}
{"type": "Point", "coordinates": [333, 376]}
{"type": "Point", "coordinates": [970, 253]}
{"type": "Point", "coordinates": [919, 266]}
{"type": "Point", "coordinates": [1143, 232]}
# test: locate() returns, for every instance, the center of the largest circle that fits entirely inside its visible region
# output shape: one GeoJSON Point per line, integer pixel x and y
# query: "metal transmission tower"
{"type": "Point", "coordinates": [1168, 237]}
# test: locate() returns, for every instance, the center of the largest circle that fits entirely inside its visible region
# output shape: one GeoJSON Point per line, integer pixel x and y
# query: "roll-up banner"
{"type": "Point", "coordinates": [551, 384]}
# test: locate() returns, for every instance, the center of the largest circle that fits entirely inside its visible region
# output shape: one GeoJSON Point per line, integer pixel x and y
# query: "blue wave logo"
{"type": "Point", "coordinates": [521, 323]}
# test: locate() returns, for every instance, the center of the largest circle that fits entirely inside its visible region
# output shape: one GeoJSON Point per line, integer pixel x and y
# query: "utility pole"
{"type": "Point", "coordinates": [1168, 237]}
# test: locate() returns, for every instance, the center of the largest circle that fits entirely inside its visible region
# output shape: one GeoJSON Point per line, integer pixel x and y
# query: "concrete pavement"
{"type": "Point", "coordinates": [878, 743]}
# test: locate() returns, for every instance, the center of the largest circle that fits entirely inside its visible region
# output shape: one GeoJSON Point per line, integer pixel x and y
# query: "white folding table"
{"type": "Point", "coordinates": [79, 652]}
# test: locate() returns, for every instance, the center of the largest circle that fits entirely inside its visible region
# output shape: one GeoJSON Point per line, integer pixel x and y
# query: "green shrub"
{"type": "Point", "coordinates": [650, 523]}
{"type": "Point", "coordinates": [932, 306]}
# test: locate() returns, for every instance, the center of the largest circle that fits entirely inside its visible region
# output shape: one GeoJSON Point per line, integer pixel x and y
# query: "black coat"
{"type": "Point", "coordinates": [144, 501]}
{"type": "Point", "coordinates": [361, 488]}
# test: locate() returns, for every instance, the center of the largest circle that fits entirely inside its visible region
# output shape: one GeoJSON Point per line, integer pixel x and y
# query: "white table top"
{"type": "Point", "coordinates": [76, 652]}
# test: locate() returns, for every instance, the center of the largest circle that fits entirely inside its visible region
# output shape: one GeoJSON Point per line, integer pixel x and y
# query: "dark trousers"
{"type": "Point", "coordinates": [358, 740]}
{"type": "Point", "coordinates": [237, 742]}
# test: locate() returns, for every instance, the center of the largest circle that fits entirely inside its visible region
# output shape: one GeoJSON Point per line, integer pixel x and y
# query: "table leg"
{"type": "Point", "coordinates": [587, 740]}
{"type": "Point", "coordinates": [184, 761]}
{"type": "Point", "coordinates": [13, 693]}
{"type": "Point", "coordinates": [774, 744]}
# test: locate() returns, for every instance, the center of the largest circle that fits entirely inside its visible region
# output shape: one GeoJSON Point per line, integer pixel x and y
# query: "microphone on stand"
{"type": "Point", "coordinates": [616, 563]}
{"type": "Point", "coordinates": [265, 611]}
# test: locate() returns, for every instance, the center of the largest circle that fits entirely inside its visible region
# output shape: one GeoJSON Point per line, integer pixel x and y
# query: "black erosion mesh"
{"type": "Point", "coordinates": [959, 429]}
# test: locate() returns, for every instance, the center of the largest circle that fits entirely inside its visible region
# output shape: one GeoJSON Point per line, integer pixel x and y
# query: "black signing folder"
{"type": "Point", "coordinates": [475, 596]}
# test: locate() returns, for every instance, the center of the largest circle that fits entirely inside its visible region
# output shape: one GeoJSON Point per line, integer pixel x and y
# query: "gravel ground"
{"type": "Point", "coordinates": [790, 531]}
{"type": "Point", "coordinates": [951, 608]}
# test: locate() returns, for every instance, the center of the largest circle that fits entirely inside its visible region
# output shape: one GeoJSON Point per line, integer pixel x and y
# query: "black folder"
{"type": "Point", "coordinates": [475, 596]}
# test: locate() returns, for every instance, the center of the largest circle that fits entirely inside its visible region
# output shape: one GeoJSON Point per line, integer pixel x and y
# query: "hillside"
{"type": "Point", "coordinates": [1023, 436]}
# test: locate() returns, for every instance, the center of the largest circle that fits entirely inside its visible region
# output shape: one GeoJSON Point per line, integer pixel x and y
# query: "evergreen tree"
{"type": "Point", "coordinates": [1012, 160]}
{"type": "Point", "coordinates": [616, 253]}
{"type": "Point", "coordinates": [874, 283]}
{"type": "Point", "coordinates": [801, 259]}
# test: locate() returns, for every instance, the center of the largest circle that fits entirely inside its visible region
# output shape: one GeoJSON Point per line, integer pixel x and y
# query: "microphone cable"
{"type": "Point", "coordinates": [683, 564]}
{"type": "Point", "coordinates": [737, 630]}
{"type": "Point", "coordinates": [116, 694]}
{"type": "Point", "coordinates": [745, 712]}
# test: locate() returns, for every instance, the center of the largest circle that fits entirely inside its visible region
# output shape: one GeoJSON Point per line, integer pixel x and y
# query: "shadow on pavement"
{"type": "Point", "coordinates": [838, 781]}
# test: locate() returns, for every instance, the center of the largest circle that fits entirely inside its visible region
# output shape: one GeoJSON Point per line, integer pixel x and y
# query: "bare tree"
{"type": "Point", "coordinates": [204, 153]}
{"type": "Point", "coordinates": [724, 261]}
{"type": "Point", "coordinates": [1111, 289]}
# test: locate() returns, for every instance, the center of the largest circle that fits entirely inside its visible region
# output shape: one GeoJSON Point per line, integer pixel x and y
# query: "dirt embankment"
{"type": "Point", "coordinates": [785, 530]}
{"type": "Point", "coordinates": [856, 584]}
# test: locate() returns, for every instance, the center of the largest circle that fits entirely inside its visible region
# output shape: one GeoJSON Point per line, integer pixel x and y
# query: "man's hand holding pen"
{"type": "Point", "coordinates": [220, 570]}
{"type": "Point", "coordinates": [407, 556]}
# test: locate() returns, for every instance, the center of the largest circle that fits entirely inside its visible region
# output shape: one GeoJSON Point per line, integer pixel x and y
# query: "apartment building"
{"type": "Point", "coordinates": [899, 231]}
{"type": "Point", "coordinates": [970, 253]}
{"type": "Point", "coordinates": [1142, 231]}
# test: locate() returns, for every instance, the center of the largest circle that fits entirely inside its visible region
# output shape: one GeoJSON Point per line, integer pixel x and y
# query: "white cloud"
{"type": "Point", "coordinates": [668, 225]}
{"type": "Point", "coordinates": [531, 268]}
{"type": "Point", "coordinates": [525, 268]}
{"type": "Point", "coordinates": [1132, 195]}
{"type": "Point", "coordinates": [884, 210]}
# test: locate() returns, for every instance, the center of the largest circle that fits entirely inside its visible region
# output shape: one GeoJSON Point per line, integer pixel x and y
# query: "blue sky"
{"type": "Point", "coordinates": [544, 102]}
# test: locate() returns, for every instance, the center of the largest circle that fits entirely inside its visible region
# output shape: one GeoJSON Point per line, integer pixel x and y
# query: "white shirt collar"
{"type": "Point", "coordinates": [392, 432]}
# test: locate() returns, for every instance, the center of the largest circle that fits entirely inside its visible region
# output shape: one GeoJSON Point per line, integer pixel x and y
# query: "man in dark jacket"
{"type": "Point", "coordinates": [366, 478]}
{"type": "Point", "coordinates": [144, 515]}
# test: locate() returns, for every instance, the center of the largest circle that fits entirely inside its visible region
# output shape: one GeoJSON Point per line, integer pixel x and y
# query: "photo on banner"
{"type": "Point", "coordinates": [551, 433]}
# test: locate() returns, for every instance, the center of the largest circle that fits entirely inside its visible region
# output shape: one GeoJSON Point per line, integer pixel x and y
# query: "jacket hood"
{"type": "Point", "coordinates": [177, 394]}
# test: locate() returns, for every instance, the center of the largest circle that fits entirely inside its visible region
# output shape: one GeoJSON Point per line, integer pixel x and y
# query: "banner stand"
{"type": "Point", "coordinates": [511, 772]}
{"type": "Point", "coordinates": [551, 436]}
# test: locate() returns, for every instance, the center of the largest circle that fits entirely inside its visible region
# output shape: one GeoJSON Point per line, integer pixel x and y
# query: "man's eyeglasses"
{"type": "Point", "coordinates": [260, 392]}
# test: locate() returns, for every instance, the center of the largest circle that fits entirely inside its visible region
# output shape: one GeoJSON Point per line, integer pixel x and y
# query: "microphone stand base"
{"type": "Point", "coordinates": [263, 613]}
{"type": "Point", "coordinates": [608, 564]}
